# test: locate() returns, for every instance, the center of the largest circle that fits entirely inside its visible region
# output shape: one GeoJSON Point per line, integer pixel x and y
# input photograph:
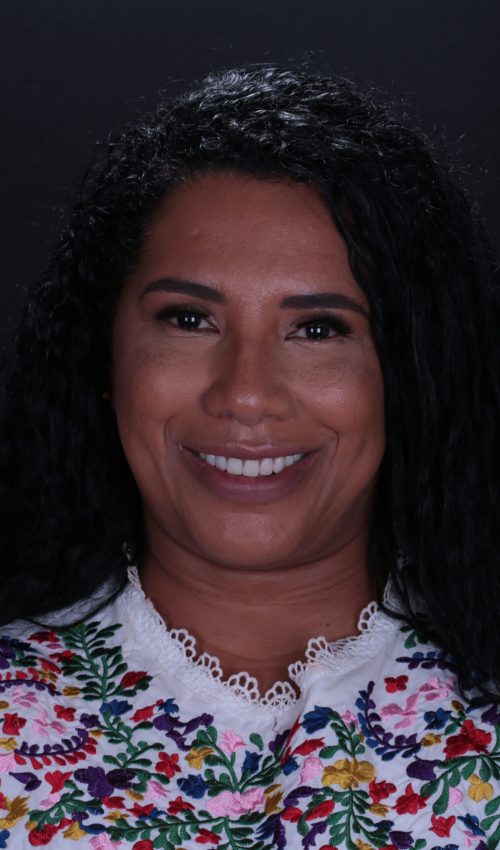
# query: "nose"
{"type": "Point", "coordinates": [248, 384]}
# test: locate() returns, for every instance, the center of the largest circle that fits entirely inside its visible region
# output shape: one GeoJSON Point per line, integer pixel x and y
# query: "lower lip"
{"type": "Point", "coordinates": [239, 488]}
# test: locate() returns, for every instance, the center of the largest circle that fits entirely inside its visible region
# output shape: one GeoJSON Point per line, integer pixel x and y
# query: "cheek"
{"type": "Point", "coordinates": [348, 395]}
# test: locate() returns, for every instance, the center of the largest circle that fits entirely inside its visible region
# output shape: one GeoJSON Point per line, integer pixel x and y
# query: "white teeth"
{"type": "Point", "coordinates": [234, 466]}
{"type": "Point", "coordinates": [278, 464]}
{"type": "Point", "coordinates": [251, 468]}
{"type": "Point", "coordinates": [266, 466]}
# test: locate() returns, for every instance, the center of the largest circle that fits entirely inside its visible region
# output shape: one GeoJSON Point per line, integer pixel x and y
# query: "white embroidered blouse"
{"type": "Point", "coordinates": [115, 734]}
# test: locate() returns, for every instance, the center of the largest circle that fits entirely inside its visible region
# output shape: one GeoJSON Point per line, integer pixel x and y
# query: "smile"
{"type": "Point", "coordinates": [251, 468]}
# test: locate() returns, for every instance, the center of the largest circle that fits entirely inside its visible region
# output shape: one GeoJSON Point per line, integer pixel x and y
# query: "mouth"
{"type": "Point", "coordinates": [254, 479]}
{"type": "Point", "coordinates": [251, 468]}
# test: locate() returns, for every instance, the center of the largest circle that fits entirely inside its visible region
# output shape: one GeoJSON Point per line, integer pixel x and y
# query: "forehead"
{"type": "Point", "coordinates": [235, 230]}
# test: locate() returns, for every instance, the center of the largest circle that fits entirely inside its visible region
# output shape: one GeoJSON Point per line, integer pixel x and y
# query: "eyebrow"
{"type": "Point", "coordinates": [185, 287]}
{"type": "Point", "coordinates": [315, 300]}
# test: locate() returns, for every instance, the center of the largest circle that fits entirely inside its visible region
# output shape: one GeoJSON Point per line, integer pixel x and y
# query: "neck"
{"type": "Point", "coordinates": [258, 621]}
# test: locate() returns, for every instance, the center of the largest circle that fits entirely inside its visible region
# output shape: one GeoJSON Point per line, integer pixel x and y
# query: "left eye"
{"type": "Point", "coordinates": [322, 328]}
{"type": "Point", "coordinates": [185, 320]}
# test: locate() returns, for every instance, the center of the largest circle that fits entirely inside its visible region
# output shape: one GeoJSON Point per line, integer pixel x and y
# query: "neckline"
{"type": "Point", "coordinates": [175, 650]}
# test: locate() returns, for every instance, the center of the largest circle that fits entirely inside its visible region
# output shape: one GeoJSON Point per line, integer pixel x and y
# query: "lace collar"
{"type": "Point", "coordinates": [175, 649]}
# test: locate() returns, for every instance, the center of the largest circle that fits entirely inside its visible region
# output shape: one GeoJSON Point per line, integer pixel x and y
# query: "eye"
{"type": "Point", "coordinates": [186, 319]}
{"type": "Point", "coordinates": [321, 328]}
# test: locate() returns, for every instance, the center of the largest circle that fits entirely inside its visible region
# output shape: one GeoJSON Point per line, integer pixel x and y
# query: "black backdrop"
{"type": "Point", "coordinates": [72, 70]}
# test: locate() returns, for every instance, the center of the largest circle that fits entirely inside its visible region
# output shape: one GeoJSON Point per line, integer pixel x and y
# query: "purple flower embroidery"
{"type": "Point", "coordinates": [423, 769]}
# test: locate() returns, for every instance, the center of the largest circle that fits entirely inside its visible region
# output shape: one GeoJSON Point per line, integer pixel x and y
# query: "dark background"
{"type": "Point", "coordinates": [71, 71]}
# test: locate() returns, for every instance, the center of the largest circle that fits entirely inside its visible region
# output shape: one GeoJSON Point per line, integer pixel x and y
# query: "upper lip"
{"type": "Point", "coordinates": [246, 452]}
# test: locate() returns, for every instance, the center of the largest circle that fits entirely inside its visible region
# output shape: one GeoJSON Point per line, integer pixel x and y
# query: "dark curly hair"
{"type": "Point", "coordinates": [68, 502]}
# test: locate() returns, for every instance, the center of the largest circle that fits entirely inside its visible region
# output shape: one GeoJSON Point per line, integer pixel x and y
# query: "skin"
{"type": "Point", "coordinates": [254, 580]}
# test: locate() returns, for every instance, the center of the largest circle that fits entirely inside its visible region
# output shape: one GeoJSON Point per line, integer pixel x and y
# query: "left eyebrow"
{"type": "Point", "coordinates": [184, 287]}
{"type": "Point", "coordinates": [323, 301]}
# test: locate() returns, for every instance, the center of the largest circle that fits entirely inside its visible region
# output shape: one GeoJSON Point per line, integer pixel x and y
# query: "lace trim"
{"type": "Point", "coordinates": [177, 649]}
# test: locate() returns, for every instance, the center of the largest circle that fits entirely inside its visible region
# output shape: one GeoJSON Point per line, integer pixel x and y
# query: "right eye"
{"type": "Point", "coordinates": [183, 318]}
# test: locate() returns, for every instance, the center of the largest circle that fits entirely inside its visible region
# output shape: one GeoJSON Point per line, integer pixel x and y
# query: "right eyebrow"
{"type": "Point", "coordinates": [184, 287]}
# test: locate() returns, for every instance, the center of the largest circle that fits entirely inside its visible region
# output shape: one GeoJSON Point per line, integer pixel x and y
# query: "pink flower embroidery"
{"type": "Point", "coordinates": [7, 762]}
{"type": "Point", "coordinates": [51, 800]}
{"type": "Point", "coordinates": [155, 790]}
{"type": "Point", "coordinates": [312, 767]}
{"type": "Point", "coordinates": [435, 688]}
{"type": "Point", "coordinates": [348, 717]}
{"type": "Point", "coordinates": [42, 724]}
{"type": "Point", "coordinates": [408, 713]}
{"type": "Point", "coordinates": [103, 842]}
{"type": "Point", "coordinates": [234, 803]}
{"type": "Point", "coordinates": [21, 697]}
{"type": "Point", "coordinates": [230, 741]}
{"type": "Point", "coordinates": [456, 796]}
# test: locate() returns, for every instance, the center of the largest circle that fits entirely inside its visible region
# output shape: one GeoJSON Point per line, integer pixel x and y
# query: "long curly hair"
{"type": "Point", "coordinates": [68, 502]}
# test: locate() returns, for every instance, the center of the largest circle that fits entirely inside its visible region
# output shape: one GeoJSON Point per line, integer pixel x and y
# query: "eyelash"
{"type": "Point", "coordinates": [333, 323]}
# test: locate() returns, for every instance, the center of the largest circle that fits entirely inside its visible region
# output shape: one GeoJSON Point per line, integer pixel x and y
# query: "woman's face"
{"type": "Point", "coordinates": [243, 335]}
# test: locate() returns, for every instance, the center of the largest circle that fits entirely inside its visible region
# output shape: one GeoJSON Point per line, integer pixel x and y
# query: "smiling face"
{"type": "Point", "coordinates": [242, 335]}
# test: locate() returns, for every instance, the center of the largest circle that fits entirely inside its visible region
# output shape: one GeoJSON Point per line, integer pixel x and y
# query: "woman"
{"type": "Point", "coordinates": [261, 373]}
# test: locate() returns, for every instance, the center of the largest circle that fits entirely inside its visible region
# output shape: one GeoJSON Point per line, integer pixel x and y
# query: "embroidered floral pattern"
{"type": "Point", "coordinates": [97, 751]}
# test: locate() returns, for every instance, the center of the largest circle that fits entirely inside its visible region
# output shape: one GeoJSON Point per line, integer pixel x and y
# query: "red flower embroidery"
{"type": "Point", "coordinates": [145, 844]}
{"type": "Point", "coordinates": [140, 811]}
{"type": "Point", "coordinates": [57, 779]}
{"type": "Point", "coordinates": [441, 826]}
{"type": "Point", "coordinates": [178, 805]}
{"type": "Point", "coordinates": [49, 666]}
{"type": "Point", "coordinates": [469, 738]}
{"type": "Point", "coordinates": [293, 814]}
{"type": "Point", "coordinates": [62, 656]}
{"type": "Point", "coordinates": [46, 637]}
{"type": "Point", "coordinates": [145, 713]}
{"type": "Point", "coordinates": [168, 764]}
{"type": "Point", "coordinates": [13, 724]}
{"type": "Point", "coordinates": [131, 679]}
{"type": "Point", "coordinates": [322, 810]}
{"type": "Point", "coordinates": [409, 802]}
{"type": "Point", "coordinates": [309, 746]}
{"type": "Point", "coordinates": [207, 837]}
{"type": "Point", "coordinates": [39, 837]}
{"type": "Point", "coordinates": [64, 713]}
{"type": "Point", "coordinates": [380, 790]}
{"type": "Point", "coordinates": [393, 684]}
{"type": "Point", "coordinates": [113, 802]}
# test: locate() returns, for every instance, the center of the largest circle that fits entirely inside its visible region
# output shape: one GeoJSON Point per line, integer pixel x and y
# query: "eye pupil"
{"type": "Point", "coordinates": [188, 321]}
{"type": "Point", "coordinates": [318, 331]}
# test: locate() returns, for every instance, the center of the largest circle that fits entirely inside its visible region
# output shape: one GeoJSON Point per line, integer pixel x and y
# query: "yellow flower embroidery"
{"type": "Point", "coordinates": [379, 809]}
{"type": "Point", "coordinates": [362, 845]}
{"type": "Point", "coordinates": [197, 755]}
{"type": "Point", "coordinates": [134, 795]}
{"type": "Point", "coordinates": [70, 691]}
{"type": "Point", "coordinates": [479, 790]}
{"type": "Point", "coordinates": [273, 802]}
{"type": "Point", "coordinates": [16, 809]}
{"type": "Point", "coordinates": [48, 676]}
{"type": "Point", "coordinates": [8, 744]}
{"type": "Point", "coordinates": [74, 832]}
{"type": "Point", "coordinates": [4, 704]}
{"type": "Point", "coordinates": [430, 739]}
{"type": "Point", "coordinates": [115, 815]}
{"type": "Point", "coordinates": [348, 773]}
